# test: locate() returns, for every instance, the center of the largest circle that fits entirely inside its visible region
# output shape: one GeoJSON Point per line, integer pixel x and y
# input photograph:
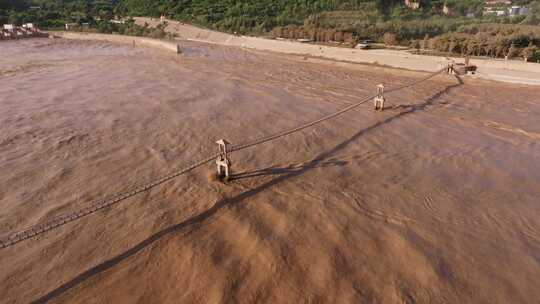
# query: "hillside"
{"type": "Point", "coordinates": [264, 15]}
{"type": "Point", "coordinates": [109, 190]}
{"type": "Point", "coordinates": [453, 26]}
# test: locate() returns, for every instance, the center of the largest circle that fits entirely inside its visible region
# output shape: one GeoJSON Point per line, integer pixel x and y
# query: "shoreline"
{"type": "Point", "coordinates": [514, 72]}
{"type": "Point", "coordinates": [491, 69]}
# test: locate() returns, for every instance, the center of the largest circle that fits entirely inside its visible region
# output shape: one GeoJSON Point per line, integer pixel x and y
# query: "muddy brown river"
{"type": "Point", "coordinates": [434, 200]}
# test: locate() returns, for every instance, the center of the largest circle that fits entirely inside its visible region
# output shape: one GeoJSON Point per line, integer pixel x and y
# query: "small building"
{"type": "Point", "coordinates": [27, 30]}
{"type": "Point", "coordinates": [412, 4]}
{"type": "Point", "coordinates": [496, 7]}
{"type": "Point", "coordinates": [71, 26]}
{"type": "Point", "coordinates": [517, 10]}
{"type": "Point", "coordinates": [497, 3]}
{"type": "Point", "coordinates": [29, 27]}
{"type": "Point", "coordinates": [8, 31]}
{"type": "Point", "coordinates": [513, 11]}
{"type": "Point", "coordinates": [446, 10]}
{"type": "Point", "coordinates": [494, 12]}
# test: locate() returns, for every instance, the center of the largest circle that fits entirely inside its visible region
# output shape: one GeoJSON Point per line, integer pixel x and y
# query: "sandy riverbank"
{"type": "Point", "coordinates": [511, 71]}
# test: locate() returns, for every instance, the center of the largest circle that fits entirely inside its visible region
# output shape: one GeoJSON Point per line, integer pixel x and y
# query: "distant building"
{"type": "Point", "coordinates": [517, 10]}
{"type": "Point", "coordinates": [496, 7]}
{"type": "Point", "coordinates": [497, 3]}
{"type": "Point", "coordinates": [446, 10]}
{"type": "Point", "coordinates": [503, 8]}
{"type": "Point", "coordinates": [412, 4]}
{"type": "Point", "coordinates": [71, 26]}
{"type": "Point", "coordinates": [495, 12]}
{"type": "Point", "coordinates": [10, 31]}
{"type": "Point", "coordinates": [514, 10]}
{"type": "Point", "coordinates": [29, 26]}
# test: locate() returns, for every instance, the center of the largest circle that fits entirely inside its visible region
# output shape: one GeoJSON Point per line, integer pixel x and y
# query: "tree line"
{"type": "Point", "coordinates": [493, 40]}
{"type": "Point", "coordinates": [347, 21]}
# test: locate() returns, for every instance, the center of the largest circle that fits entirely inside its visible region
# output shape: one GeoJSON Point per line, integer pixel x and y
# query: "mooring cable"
{"type": "Point", "coordinates": [35, 230]}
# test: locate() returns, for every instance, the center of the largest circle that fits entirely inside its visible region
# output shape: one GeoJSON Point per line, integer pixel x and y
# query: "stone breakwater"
{"type": "Point", "coordinates": [136, 41]}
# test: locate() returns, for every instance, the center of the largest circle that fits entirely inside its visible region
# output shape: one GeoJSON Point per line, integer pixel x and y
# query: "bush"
{"type": "Point", "coordinates": [390, 39]}
{"type": "Point", "coordinates": [531, 53]}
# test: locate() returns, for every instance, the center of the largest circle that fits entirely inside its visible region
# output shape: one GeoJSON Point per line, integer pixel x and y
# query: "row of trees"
{"type": "Point", "coordinates": [492, 40]}
{"type": "Point", "coordinates": [130, 28]}
{"type": "Point", "coordinates": [314, 34]}
{"type": "Point", "coordinates": [253, 15]}
{"type": "Point", "coordinates": [319, 20]}
{"type": "Point", "coordinates": [55, 13]}
{"type": "Point", "coordinates": [246, 16]}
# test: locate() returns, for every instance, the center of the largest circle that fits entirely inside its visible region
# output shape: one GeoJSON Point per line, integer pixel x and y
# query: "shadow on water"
{"type": "Point", "coordinates": [285, 170]}
{"type": "Point", "coordinates": [282, 174]}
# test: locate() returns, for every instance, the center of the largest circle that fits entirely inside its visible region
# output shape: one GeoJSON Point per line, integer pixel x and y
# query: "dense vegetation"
{"type": "Point", "coordinates": [55, 13]}
{"type": "Point", "coordinates": [322, 20]}
{"type": "Point", "coordinates": [491, 40]}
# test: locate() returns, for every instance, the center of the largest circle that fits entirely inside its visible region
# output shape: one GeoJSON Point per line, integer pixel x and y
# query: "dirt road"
{"type": "Point", "coordinates": [435, 200]}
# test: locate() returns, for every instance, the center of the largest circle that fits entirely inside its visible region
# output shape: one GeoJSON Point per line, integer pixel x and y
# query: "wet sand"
{"type": "Point", "coordinates": [435, 200]}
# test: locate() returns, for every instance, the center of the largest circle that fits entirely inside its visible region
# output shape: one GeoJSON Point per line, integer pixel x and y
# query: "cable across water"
{"type": "Point", "coordinates": [33, 231]}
